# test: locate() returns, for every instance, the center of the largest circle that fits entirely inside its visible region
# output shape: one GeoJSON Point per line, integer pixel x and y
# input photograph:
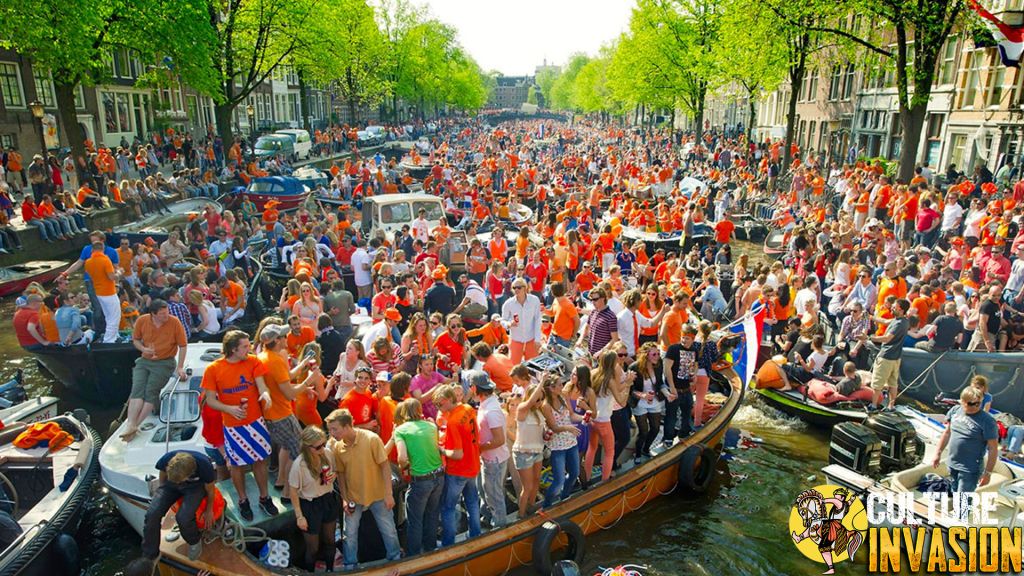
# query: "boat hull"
{"type": "Point", "coordinates": [953, 372]}
{"type": "Point", "coordinates": [42, 271]}
{"type": "Point", "coordinates": [286, 202]}
{"type": "Point", "coordinates": [497, 551]}
{"type": "Point", "coordinates": [813, 414]}
{"type": "Point", "coordinates": [100, 373]}
{"type": "Point", "coordinates": [774, 244]}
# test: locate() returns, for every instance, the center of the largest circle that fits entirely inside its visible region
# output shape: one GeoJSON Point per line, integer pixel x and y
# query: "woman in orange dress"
{"type": "Point", "coordinates": [305, 403]}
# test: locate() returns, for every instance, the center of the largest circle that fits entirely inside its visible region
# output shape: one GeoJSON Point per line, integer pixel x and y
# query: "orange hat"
{"type": "Point", "coordinates": [149, 241]}
{"type": "Point", "coordinates": [440, 272]}
{"type": "Point", "coordinates": [270, 204]}
{"type": "Point", "coordinates": [1009, 204]}
{"type": "Point", "coordinates": [957, 241]}
{"type": "Point", "coordinates": [987, 241]}
{"type": "Point", "coordinates": [393, 314]}
{"type": "Point", "coordinates": [995, 206]}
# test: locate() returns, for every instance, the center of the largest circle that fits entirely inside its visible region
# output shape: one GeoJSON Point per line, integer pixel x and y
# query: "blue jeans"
{"type": "Point", "coordinates": [46, 229]}
{"type": "Point", "coordinates": [964, 481]}
{"type": "Point", "coordinates": [1014, 438]}
{"type": "Point", "coordinates": [423, 506]}
{"type": "Point", "coordinates": [455, 487]}
{"type": "Point", "coordinates": [385, 523]}
{"type": "Point", "coordinates": [492, 484]}
{"type": "Point", "coordinates": [561, 486]}
{"type": "Point", "coordinates": [560, 341]}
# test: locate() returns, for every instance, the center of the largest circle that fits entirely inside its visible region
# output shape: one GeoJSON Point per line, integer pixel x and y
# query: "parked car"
{"type": "Point", "coordinates": [379, 134]}
{"type": "Point", "coordinates": [366, 139]}
{"type": "Point", "coordinates": [272, 144]}
{"type": "Point", "coordinates": [301, 140]}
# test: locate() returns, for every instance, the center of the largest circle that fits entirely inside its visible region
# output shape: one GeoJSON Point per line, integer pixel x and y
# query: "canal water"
{"type": "Point", "coordinates": [739, 526]}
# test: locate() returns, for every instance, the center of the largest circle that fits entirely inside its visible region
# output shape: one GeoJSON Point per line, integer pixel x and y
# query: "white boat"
{"type": "Point", "coordinates": [16, 406]}
{"type": "Point", "coordinates": [128, 468]}
{"type": "Point", "coordinates": [47, 516]}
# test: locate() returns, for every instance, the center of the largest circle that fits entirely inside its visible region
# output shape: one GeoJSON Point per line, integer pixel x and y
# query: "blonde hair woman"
{"type": "Point", "coordinates": [312, 494]}
{"type": "Point", "coordinates": [308, 307]}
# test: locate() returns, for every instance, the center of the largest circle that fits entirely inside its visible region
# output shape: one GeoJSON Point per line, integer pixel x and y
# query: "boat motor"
{"type": "Point", "coordinates": [856, 447]}
{"type": "Point", "coordinates": [898, 438]}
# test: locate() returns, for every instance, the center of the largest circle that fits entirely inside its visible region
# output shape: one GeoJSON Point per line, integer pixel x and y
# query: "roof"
{"type": "Point", "coordinates": [396, 198]}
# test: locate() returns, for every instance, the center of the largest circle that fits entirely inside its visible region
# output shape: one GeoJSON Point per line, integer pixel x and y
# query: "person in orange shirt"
{"type": "Point", "coordinates": [298, 335]}
{"type": "Point", "coordinates": [104, 280]}
{"type": "Point", "coordinates": [270, 217]}
{"type": "Point", "coordinates": [232, 300]}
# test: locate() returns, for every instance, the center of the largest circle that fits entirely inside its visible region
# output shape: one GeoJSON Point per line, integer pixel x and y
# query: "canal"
{"type": "Point", "coordinates": [738, 527]}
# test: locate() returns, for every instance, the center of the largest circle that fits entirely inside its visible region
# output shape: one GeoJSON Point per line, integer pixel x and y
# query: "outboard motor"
{"type": "Point", "coordinates": [856, 447]}
{"type": "Point", "coordinates": [899, 440]}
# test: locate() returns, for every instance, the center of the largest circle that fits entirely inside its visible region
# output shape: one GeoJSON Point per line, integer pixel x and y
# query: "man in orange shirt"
{"type": "Point", "coordinates": [298, 336]}
{"type": "Point", "coordinates": [672, 325]}
{"type": "Point", "coordinates": [104, 280]}
{"type": "Point", "coordinates": [724, 231]}
{"type": "Point", "coordinates": [461, 447]}
{"type": "Point", "coordinates": [270, 217]}
{"type": "Point", "coordinates": [232, 300]}
{"type": "Point", "coordinates": [160, 337]}
{"type": "Point", "coordinates": [566, 322]}
{"type": "Point", "coordinates": [361, 403]}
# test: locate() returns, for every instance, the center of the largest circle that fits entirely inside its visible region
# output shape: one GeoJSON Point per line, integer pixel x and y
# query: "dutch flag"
{"type": "Point", "coordinates": [752, 327]}
{"type": "Point", "coordinates": [1010, 39]}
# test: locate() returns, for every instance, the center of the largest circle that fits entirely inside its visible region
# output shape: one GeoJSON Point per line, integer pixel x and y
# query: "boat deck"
{"type": "Point", "coordinates": [36, 475]}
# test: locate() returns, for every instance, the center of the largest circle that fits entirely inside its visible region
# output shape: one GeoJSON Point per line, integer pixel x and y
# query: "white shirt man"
{"type": "Point", "coordinates": [421, 228]}
{"type": "Point", "coordinates": [522, 314]}
{"type": "Point", "coordinates": [361, 270]}
{"type": "Point", "coordinates": [804, 298]}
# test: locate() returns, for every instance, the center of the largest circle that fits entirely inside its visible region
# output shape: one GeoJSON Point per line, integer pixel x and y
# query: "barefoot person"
{"type": "Point", "coordinates": [159, 336]}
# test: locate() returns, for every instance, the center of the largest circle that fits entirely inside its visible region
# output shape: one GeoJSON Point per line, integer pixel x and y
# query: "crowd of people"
{"type": "Point", "coordinates": [439, 389]}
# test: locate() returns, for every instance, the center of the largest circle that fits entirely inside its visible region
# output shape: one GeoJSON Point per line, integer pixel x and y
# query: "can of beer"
{"type": "Point", "coordinates": [587, 416]}
{"type": "Point", "coordinates": [312, 363]}
{"type": "Point", "coordinates": [323, 474]}
{"type": "Point", "coordinates": [351, 507]}
{"type": "Point", "coordinates": [548, 434]}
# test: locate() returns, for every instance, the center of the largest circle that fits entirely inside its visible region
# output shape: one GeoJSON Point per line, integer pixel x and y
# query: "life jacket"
{"type": "Point", "coordinates": [218, 508]}
{"type": "Point", "coordinates": [47, 433]}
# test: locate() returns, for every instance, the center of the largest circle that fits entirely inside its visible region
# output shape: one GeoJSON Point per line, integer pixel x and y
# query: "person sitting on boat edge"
{"type": "Point", "coordinates": [190, 477]}
{"type": "Point", "coordinates": [159, 337]}
{"type": "Point", "coordinates": [885, 373]}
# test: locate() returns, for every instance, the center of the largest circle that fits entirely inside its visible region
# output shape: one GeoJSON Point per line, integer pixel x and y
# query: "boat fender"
{"type": "Point", "coordinates": [697, 468]}
{"type": "Point", "coordinates": [84, 453]}
{"type": "Point", "coordinates": [81, 415]}
{"type": "Point", "coordinates": [65, 555]}
{"type": "Point", "coordinates": [546, 538]}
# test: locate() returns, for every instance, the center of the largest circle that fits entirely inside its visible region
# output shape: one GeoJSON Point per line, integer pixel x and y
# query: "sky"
{"type": "Point", "coordinates": [515, 37]}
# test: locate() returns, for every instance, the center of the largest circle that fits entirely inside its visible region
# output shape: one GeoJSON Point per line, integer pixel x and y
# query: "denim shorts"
{"type": "Point", "coordinates": [215, 456]}
{"type": "Point", "coordinates": [524, 460]}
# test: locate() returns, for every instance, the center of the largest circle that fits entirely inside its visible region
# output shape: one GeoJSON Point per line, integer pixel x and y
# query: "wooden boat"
{"type": "Point", "coordinates": [157, 226]}
{"type": "Point", "coordinates": [101, 373]}
{"type": "Point", "coordinates": [416, 171]}
{"type": "Point", "coordinates": [775, 243]}
{"type": "Point", "coordinates": [528, 540]}
{"type": "Point", "coordinates": [15, 279]}
{"type": "Point", "coordinates": [927, 375]}
{"type": "Point", "coordinates": [287, 191]}
{"type": "Point", "coordinates": [48, 517]}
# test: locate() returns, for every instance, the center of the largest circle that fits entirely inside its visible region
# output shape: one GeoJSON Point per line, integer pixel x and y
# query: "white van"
{"type": "Point", "coordinates": [301, 139]}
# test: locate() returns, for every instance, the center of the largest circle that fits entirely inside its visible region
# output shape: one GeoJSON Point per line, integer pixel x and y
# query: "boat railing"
{"type": "Point", "coordinates": [24, 535]}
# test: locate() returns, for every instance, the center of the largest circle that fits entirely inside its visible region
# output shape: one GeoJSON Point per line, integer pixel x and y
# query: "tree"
{"type": "Point", "coordinates": [562, 91]}
{"type": "Point", "coordinates": [545, 81]}
{"type": "Point", "coordinates": [895, 26]}
{"type": "Point", "coordinates": [750, 54]}
{"type": "Point", "coordinates": [70, 39]}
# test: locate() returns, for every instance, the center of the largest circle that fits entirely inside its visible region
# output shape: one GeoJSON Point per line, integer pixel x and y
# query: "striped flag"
{"type": "Point", "coordinates": [1010, 38]}
{"type": "Point", "coordinates": [752, 327]}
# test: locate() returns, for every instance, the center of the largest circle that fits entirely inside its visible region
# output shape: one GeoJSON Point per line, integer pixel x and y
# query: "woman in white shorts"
{"type": "Point", "coordinates": [645, 398]}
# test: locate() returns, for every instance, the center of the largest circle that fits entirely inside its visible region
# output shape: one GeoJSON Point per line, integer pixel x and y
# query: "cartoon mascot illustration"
{"type": "Point", "coordinates": [827, 530]}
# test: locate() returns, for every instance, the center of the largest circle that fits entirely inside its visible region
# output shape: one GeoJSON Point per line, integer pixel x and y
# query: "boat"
{"type": "Point", "coordinates": [687, 466]}
{"type": "Point", "coordinates": [48, 517]}
{"type": "Point", "coordinates": [286, 190]}
{"type": "Point", "coordinates": [310, 176]}
{"type": "Point", "coordinates": [522, 215]}
{"type": "Point", "coordinates": [101, 373]}
{"type": "Point", "coordinates": [157, 226]}
{"type": "Point", "coordinates": [775, 243]}
{"type": "Point", "coordinates": [932, 374]}
{"type": "Point", "coordinates": [797, 402]}
{"type": "Point", "coordinates": [748, 228]}
{"type": "Point", "coordinates": [15, 279]}
{"type": "Point", "coordinates": [16, 406]}
{"type": "Point", "coordinates": [416, 171]}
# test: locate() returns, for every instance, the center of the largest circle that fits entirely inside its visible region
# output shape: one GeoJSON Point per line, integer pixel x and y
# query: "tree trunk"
{"type": "Point", "coordinates": [699, 117]}
{"type": "Point", "coordinates": [304, 101]}
{"type": "Point", "coordinates": [751, 118]}
{"type": "Point", "coordinates": [912, 123]}
{"type": "Point", "coordinates": [352, 120]}
{"type": "Point", "coordinates": [223, 114]}
{"type": "Point", "coordinates": [65, 93]}
{"type": "Point", "coordinates": [796, 79]}
{"type": "Point", "coordinates": [672, 123]}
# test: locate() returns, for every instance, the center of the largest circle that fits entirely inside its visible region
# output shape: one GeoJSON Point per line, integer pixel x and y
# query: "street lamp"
{"type": "Point", "coordinates": [251, 111]}
{"type": "Point", "coordinates": [37, 111]}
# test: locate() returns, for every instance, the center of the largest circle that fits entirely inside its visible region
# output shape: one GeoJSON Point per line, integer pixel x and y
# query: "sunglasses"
{"type": "Point", "coordinates": [622, 355]}
{"type": "Point", "coordinates": [320, 446]}
{"type": "Point", "coordinates": [519, 287]}
{"type": "Point", "coordinates": [435, 323]}
{"type": "Point", "coordinates": [973, 404]}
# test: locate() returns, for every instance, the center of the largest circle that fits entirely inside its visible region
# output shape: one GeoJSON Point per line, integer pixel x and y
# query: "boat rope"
{"type": "Point", "coordinates": [1010, 383]}
{"type": "Point", "coordinates": [622, 512]}
{"type": "Point", "coordinates": [233, 535]}
{"type": "Point", "coordinates": [920, 378]}
{"type": "Point", "coordinates": [645, 491]}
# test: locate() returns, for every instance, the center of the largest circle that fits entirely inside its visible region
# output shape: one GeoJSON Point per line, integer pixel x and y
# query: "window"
{"type": "Point", "coordinates": [835, 84]}
{"type": "Point", "coordinates": [948, 61]}
{"type": "Point", "coordinates": [848, 82]}
{"type": "Point", "coordinates": [996, 80]}
{"type": "Point", "coordinates": [810, 133]}
{"type": "Point", "coordinates": [7, 140]}
{"type": "Point", "coordinates": [44, 88]}
{"type": "Point", "coordinates": [969, 89]}
{"type": "Point", "coordinates": [956, 155]}
{"type": "Point", "coordinates": [80, 98]}
{"type": "Point", "coordinates": [812, 88]}
{"type": "Point", "coordinates": [10, 84]}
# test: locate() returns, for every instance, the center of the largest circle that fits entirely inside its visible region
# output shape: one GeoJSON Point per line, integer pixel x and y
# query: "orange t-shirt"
{"type": "Point", "coordinates": [98, 266]}
{"type": "Point", "coordinates": [233, 294]}
{"type": "Point", "coordinates": [723, 231]}
{"type": "Point", "coordinates": [673, 323]}
{"type": "Point", "coordinates": [296, 342]}
{"type": "Point", "coordinates": [233, 381]}
{"type": "Point", "coordinates": [648, 313]}
{"type": "Point", "coordinates": [305, 409]}
{"type": "Point", "coordinates": [124, 260]}
{"type": "Point", "coordinates": [277, 374]}
{"type": "Point", "coordinates": [362, 406]}
{"type": "Point", "coordinates": [565, 315]}
{"type": "Point", "coordinates": [270, 217]}
{"type": "Point", "coordinates": [50, 329]}
{"type": "Point", "coordinates": [386, 408]}
{"type": "Point", "coordinates": [460, 433]}
{"type": "Point", "coordinates": [165, 340]}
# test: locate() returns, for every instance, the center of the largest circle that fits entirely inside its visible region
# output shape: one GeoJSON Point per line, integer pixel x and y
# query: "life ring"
{"type": "Point", "coordinates": [218, 508]}
{"type": "Point", "coordinates": [697, 467]}
{"type": "Point", "coordinates": [545, 539]}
